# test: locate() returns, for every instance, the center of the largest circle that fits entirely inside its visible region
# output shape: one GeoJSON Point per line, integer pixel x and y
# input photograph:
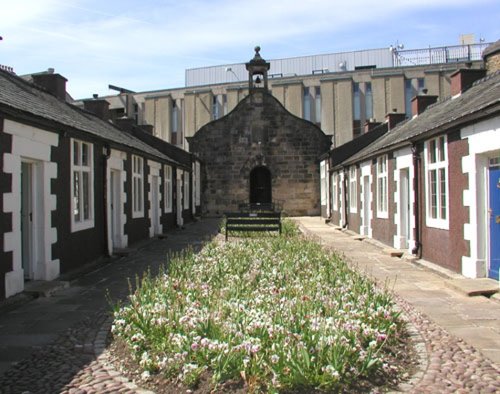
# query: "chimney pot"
{"type": "Point", "coordinates": [95, 96]}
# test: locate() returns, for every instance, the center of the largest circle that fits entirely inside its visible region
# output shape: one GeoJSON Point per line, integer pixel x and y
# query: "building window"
{"type": "Point", "coordinates": [215, 107]}
{"type": "Point", "coordinates": [317, 105]}
{"type": "Point", "coordinates": [335, 198]}
{"type": "Point", "coordinates": [307, 104]}
{"type": "Point", "coordinates": [137, 186]}
{"type": "Point", "coordinates": [186, 190]}
{"type": "Point", "coordinates": [356, 97]}
{"type": "Point", "coordinates": [136, 113]}
{"type": "Point", "coordinates": [382, 193]}
{"type": "Point", "coordinates": [82, 185]}
{"type": "Point", "coordinates": [437, 182]}
{"type": "Point", "coordinates": [353, 189]}
{"type": "Point", "coordinates": [368, 101]}
{"type": "Point", "coordinates": [168, 188]}
{"type": "Point", "coordinates": [412, 88]}
{"type": "Point", "coordinates": [174, 127]}
{"type": "Point", "coordinates": [362, 105]}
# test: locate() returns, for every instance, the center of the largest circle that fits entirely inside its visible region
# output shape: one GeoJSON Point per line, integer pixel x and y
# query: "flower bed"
{"type": "Point", "coordinates": [279, 313]}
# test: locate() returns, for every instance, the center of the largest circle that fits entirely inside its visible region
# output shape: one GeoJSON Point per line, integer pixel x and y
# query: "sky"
{"type": "Point", "coordinates": [148, 44]}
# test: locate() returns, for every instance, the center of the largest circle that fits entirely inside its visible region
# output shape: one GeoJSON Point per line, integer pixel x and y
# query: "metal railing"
{"type": "Point", "coordinates": [438, 55]}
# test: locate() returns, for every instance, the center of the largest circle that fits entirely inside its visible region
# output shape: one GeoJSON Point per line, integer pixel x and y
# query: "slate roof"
{"type": "Point", "coordinates": [20, 95]}
{"type": "Point", "coordinates": [438, 118]}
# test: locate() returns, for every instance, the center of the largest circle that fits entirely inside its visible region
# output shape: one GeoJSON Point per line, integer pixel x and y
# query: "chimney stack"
{"type": "Point", "coordinates": [55, 84]}
{"type": "Point", "coordinates": [462, 79]}
{"type": "Point", "coordinates": [370, 125]}
{"type": "Point", "coordinates": [420, 102]}
{"type": "Point", "coordinates": [393, 118]}
{"type": "Point", "coordinates": [126, 124]}
{"type": "Point", "coordinates": [97, 106]}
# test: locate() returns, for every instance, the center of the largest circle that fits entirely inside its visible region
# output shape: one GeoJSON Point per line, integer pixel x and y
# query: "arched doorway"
{"type": "Point", "coordinates": [260, 185]}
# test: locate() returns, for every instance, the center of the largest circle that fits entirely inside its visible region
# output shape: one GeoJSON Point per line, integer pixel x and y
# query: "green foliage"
{"type": "Point", "coordinates": [279, 312]}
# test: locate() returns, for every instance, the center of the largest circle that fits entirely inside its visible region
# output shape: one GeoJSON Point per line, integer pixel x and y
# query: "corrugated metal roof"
{"type": "Point", "coordinates": [303, 65]}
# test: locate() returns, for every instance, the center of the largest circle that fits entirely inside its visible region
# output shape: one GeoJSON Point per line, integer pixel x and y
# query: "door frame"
{"type": "Point", "coordinates": [155, 204]}
{"type": "Point", "coordinates": [29, 238]}
{"type": "Point", "coordinates": [490, 222]}
{"type": "Point", "coordinates": [404, 208]}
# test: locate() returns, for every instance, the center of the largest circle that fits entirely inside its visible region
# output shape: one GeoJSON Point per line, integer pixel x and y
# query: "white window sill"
{"type": "Point", "coordinates": [437, 223]}
{"type": "Point", "coordinates": [137, 215]}
{"type": "Point", "coordinates": [382, 215]}
{"type": "Point", "coordinates": [79, 226]}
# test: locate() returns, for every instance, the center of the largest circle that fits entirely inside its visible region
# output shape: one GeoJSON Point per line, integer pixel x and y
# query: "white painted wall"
{"type": "Point", "coordinates": [404, 159]}
{"type": "Point", "coordinates": [366, 171]}
{"type": "Point", "coordinates": [116, 162]}
{"type": "Point", "coordinates": [484, 143]}
{"type": "Point", "coordinates": [32, 144]}
{"type": "Point", "coordinates": [154, 170]}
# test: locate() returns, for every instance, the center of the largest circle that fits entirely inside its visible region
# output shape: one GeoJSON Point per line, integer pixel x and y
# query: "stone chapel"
{"type": "Point", "coordinates": [260, 153]}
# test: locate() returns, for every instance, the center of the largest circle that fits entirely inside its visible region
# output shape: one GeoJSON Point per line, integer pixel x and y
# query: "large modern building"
{"type": "Point", "coordinates": [338, 92]}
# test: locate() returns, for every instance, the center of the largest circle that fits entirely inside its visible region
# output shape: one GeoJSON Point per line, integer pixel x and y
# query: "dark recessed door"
{"type": "Point", "coordinates": [260, 185]}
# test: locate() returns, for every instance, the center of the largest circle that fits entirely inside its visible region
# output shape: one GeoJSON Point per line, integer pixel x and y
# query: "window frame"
{"type": "Point", "coordinates": [81, 168]}
{"type": "Point", "coordinates": [438, 165]}
{"type": "Point", "coordinates": [167, 188]}
{"type": "Point", "coordinates": [137, 187]}
{"type": "Point", "coordinates": [353, 189]}
{"type": "Point", "coordinates": [306, 103]}
{"type": "Point", "coordinates": [382, 187]}
{"type": "Point", "coordinates": [317, 105]}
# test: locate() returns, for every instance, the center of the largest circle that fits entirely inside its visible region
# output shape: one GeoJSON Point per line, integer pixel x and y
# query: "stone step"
{"type": "Point", "coordinates": [44, 288]}
{"type": "Point", "coordinates": [393, 252]}
{"type": "Point", "coordinates": [474, 287]}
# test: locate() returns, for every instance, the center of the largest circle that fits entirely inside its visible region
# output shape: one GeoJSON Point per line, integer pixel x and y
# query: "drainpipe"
{"type": "Point", "coordinates": [346, 221]}
{"type": "Point", "coordinates": [417, 249]}
{"type": "Point", "coordinates": [105, 157]}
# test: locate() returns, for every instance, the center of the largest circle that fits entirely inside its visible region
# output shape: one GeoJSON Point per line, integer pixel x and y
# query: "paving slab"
{"type": "Point", "coordinates": [440, 295]}
{"type": "Point", "coordinates": [474, 287]}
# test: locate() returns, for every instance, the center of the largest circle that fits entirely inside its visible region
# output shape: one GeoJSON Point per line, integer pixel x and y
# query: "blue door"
{"type": "Point", "coordinates": [494, 223]}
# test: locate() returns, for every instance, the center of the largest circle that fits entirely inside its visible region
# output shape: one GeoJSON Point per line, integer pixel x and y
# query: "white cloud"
{"type": "Point", "coordinates": [91, 37]}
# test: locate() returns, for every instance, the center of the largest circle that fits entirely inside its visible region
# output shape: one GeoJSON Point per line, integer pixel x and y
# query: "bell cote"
{"type": "Point", "coordinates": [257, 71]}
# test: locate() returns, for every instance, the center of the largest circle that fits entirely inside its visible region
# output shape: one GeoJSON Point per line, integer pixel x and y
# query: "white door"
{"type": "Point", "coordinates": [366, 205]}
{"type": "Point", "coordinates": [27, 242]}
{"type": "Point", "coordinates": [404, 203]}
{"type": "Point", "coordinates": [155, 204]}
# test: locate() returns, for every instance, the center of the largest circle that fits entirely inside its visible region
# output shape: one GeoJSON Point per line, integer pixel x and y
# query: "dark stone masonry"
{"type": "Point", "coordinates": [260, 152]}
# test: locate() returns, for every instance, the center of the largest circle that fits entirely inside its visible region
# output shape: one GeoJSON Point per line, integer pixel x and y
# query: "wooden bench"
{"type": "Point", "coordinates": [252, 221]}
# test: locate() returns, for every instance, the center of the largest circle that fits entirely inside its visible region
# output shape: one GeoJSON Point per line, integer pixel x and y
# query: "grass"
{"type": "Point", "coordinates": [280, 313]}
